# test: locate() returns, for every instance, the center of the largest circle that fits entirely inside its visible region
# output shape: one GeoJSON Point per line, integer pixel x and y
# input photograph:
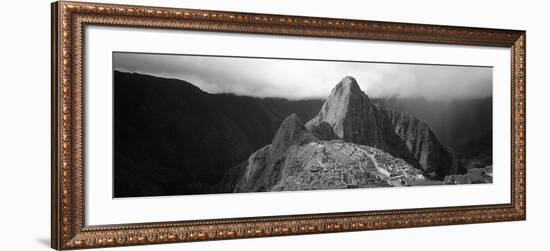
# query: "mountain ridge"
{"type": "Point", "coordinates": [364, 131]}
{"type": "Point", "coordinates": [165, 128]}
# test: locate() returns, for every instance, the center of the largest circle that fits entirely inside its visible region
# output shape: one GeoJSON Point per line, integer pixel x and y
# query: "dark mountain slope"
{"type": "Point", "coordinates": [432, 156]}
{"type": "Point", "coordinates": [465, 125]}
{"type": "Point", "coordinates": [261, 117]}
{"type": "Point", "coordinates": [171, 138]}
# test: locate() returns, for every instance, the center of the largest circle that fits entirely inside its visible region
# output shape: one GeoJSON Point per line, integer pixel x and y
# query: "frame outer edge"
{"type": "Point", "coordinates": [519, 128]}
{"type": "Point", "coordinates": [523, 94]}
{"type": "Point", "coordinates": [68, 230]}
{"type": "Point", "coordinates": [56, 226]}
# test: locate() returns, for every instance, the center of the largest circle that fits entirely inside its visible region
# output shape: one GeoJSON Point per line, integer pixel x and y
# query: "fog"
{"type": "Point", "coordinates": [304, 79]}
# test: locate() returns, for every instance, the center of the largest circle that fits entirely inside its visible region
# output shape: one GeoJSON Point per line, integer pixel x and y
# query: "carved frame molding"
{"type": "Point", "coordinates": [68, 226]}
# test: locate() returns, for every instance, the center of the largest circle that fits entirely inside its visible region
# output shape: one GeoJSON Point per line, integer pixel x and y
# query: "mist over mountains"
{"type": "Point", "coordinates": [171, 138]}
{"type": "Point", "coordinates": [305, 79]}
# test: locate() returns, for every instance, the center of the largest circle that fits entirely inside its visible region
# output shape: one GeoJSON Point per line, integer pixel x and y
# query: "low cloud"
{"type": "Point", "coordinates": [301, 79]}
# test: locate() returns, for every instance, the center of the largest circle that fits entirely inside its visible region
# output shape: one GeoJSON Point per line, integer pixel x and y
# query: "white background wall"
{"type": "Point", "coordinates": [25, 124]}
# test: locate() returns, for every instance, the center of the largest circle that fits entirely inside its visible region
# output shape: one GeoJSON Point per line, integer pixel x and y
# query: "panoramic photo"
{"type": "Point", "coordinates": [197, 124]}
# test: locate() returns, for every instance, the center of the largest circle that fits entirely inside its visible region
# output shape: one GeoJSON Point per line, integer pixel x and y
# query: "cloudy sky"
{"type": "Point", "coordinates": [302, 79]}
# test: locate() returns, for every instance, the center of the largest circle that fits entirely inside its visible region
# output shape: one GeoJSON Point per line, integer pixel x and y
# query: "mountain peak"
{"type": "Point", "coordinates": [349, 80]}
{"type": "Point", "coordinates": [292, 118]}
{"type": "Point", "coordinates": [344, 102]}
{"type": "Point", "coordinates": [347, 86]}
{"type": "Point", "coordinates": [291, 132]}
{"type": "Point", "coordinates": [354, 118]}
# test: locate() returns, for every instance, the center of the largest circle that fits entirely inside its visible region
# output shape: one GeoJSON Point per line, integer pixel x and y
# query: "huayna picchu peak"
{"type": "Point", "coordinates": [350, 143]}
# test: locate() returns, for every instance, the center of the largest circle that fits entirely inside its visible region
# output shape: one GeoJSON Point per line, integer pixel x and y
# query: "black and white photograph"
{"type": "Point", "coordinates": [197, 124]}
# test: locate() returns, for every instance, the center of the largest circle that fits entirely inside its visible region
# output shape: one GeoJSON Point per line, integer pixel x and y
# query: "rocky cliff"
{"type": "Point", "coordinates": [297, 160]}
{"type": "Point", "coordinates": [292, 132]}
{"type": "Point", "coordinates": [263, 167]}
{"type": "Point", "coordinates": [355, 119]}
{"type": "Point", "coordinates": [433, 157]}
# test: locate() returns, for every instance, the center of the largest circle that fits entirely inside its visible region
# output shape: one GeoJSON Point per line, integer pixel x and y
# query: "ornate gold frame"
{"type": "Point", "coordinates": [68, 228]}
